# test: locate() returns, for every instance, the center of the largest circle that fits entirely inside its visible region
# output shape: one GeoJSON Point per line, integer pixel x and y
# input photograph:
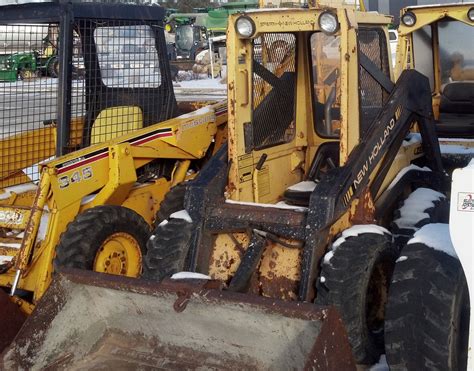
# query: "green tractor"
{"type": "Point", "coordinates": [28, 52]}
{"type": "Point", "coordinates": [192, 31]}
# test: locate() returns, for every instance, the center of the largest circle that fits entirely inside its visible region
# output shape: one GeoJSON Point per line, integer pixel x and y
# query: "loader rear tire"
{"type": "Point", "coordinates": [108, 239]}
{"type": "Point", "coordinates": [427, 320]}
{"type": "Point", "coordinates": [415, 212]}
{"type": "Point", "coordinates": [355, 280]}
{"type": "Point", "coordinates": [167, 248]}
{"type": "Point", "coordinates": [173, 202]}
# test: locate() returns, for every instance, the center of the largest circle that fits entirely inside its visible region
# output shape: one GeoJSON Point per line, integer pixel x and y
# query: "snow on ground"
{"type": "Point", "coordinates": [201, 84]}
{"type": "Point", "coordinates": [456, 149]}
{"type": "Point", "coordinates": [306, 186]}
{"type": "Point", "coordinates": [182, 214]}
{"type": "Point", "coordinates": [19, 189]}
{"type": "Point", "coordinates": [189, 275]}
{"type": "Point", "coordinates": [200, 111]}
{"type": "Point", "coordinates": [353, 231]}
{"type": "Point", "coordinates": [413, 209]}
{"type": "Point", "coordinates": [436, 236]}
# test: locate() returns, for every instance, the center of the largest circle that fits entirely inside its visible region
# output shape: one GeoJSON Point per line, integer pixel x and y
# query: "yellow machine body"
{"type": "Point", "coordinates": [35, 216]}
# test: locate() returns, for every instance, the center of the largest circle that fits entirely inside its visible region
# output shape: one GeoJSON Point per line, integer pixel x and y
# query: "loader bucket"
{"type": "Point", "coordinates": [88, 320]}
{"type": "Point", "coordinates": [11, 320]}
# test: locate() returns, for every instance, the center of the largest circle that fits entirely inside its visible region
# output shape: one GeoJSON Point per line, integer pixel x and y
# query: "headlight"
{"type": "Point", "coordinates": [245, 27]}
{"type": "Point", "coordinates": [409, 19]}
{"type": "Point", "coordinates": [328, 22]}
{"type": "Point", "coordinates": [470, 14]}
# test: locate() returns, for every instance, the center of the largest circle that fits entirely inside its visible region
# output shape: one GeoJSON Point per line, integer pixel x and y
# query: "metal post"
{"type": "Point", "coordinates": [211, 55]}
{"type": "Point", "coordinates": [64, 83]}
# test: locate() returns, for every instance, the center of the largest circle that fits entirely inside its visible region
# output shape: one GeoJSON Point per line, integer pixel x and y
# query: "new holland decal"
{"type": "Point", "coordinates": [373, 156]}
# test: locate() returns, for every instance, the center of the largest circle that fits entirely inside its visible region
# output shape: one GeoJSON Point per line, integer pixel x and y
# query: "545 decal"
{"type": "Point", "coordinates": [76, 177]}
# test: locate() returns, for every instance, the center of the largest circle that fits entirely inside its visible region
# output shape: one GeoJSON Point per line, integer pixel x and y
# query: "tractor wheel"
{"type": "Point", "coordinates": [354, 278]}
{"type": "Point", "coordinates": [108, 239]}
{"type": "Point", "coordinates": [427, 320]}
{"type": "Point", "coordinates": [168, 248]}
{"type": "Point", "coordinates": [422, 206]}
{"type": "Point", "coordinates": [173, 202]}
{"type": "Point", "coordinates": [26, 74]}
{"type": "Point", "coordinates": [53, 67]}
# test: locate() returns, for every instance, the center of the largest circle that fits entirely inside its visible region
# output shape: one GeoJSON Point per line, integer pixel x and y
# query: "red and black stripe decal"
{"type": "Point", "coordinates": [102, 153]}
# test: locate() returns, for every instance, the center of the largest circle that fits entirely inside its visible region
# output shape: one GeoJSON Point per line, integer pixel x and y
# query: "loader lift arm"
{"type": "Point", "coordinates": [409, 102]}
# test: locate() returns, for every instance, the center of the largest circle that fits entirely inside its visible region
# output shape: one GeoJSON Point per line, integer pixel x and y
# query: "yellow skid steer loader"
{"type": "Point", "coordinates": [436, 40]}
{"type": "Point", "coordinates": [122, 151]}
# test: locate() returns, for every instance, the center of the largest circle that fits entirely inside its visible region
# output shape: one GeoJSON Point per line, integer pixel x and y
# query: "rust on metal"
{"type": "Point", "coordinates": [182, 300]}
{"type": "Point", "coordinates": [364, 210]}
{"type": "Point", "coordinates": [331, 350]}
{"type": "Point", "coordinates": [280, 271]}
{"type": "Point", "coordinates": [228, 217]}
{"type": "Point", "coordinates": [145, 331]}
{"type": "Point", "coordinates": [226, 255]}
{"type": "Point", "coordinates": [33, 222]}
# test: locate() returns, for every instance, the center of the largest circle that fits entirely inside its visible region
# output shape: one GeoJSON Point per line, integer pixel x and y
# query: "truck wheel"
{"type": "Point", "coordinates": [427, 320]}
{"type": "Point", "coordinates": [167, 247]}
{"type": "Point", "coordinates": [422, 206]}
{"type": "Point", "coordinates": [354, 278]}
{"type": "Point", "coordinates": [173, 202]}
{"type": "Point", "coordinates": [108, 239]}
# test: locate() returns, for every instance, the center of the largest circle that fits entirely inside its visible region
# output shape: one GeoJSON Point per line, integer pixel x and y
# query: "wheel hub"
{"type": "Point", "coordinates": [119, 254]}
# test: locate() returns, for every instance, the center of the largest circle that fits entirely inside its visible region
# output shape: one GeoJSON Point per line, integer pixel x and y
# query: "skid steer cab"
{"type": "Point", "coordinates": [302, 206]}
{"type": "Point", "coordinates": [437, 41]}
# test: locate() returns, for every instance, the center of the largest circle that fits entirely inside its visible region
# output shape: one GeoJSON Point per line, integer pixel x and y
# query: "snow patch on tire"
{"type": "Point", "coordinates": [353, 231]}
{"type": "Point", "coordinates": [182, 214]}
{"type": "Point", "coordinates": [190, 276]}
{"type": "Point", "coordinates": [415, 206]}
{"type": "Point", "coordinates": [436, 236]}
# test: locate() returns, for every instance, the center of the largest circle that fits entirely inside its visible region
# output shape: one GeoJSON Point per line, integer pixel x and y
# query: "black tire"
{"type": "Point", "coordinates": [355, 280]}
{"type": "Point", "coordinates": [53, 67]}
{"type": "Point", "coordinates": [427, 320]}
{"type": "Point", "coordinates": [84, 236]}
{"type": "Point", "coordinates": [167, 249]}
{"type": "Point", "coordinates": [403, 230]}
{"type": "Point", "coordinates": [173, 202]}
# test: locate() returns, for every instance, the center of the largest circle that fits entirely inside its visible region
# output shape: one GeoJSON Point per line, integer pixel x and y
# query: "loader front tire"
{"type": "Point", "coordinates": [167, 249]}
{"type": "Point", "coordinates": [427, 320]}
{"type": "Point", "coordinates": [355, 280]}
{"type": "Point", "coordinates": [107, 239]}
{"type": "Point", "coordinates": [173, 202]}
{"type": "Point", "coordinates": [423, 206]}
